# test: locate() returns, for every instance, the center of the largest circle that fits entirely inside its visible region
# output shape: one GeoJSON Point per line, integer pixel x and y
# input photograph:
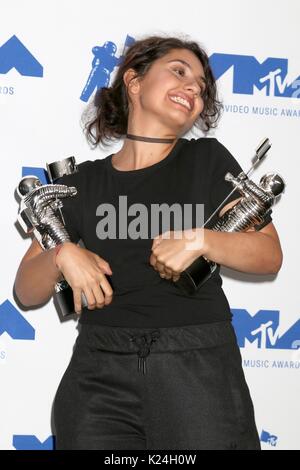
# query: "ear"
{"type": "Point", "coordinates": [131, 81]}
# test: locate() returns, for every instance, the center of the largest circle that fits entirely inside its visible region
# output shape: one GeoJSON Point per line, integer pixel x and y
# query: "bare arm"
{"type": "Point", "coordinates": [36, 276]}
{"type": "Point", "coordinates": [251, 251]}
{"type": "Point", "coordinates": [83, 270]}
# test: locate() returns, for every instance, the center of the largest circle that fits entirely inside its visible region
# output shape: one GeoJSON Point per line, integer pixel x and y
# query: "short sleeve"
{"type": "Point", "coordinates": [73, 207]}
{"type": "Point", "coordinates": [222, 162]}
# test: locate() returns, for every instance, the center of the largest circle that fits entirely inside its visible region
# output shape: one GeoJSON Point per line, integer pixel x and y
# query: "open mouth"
{"type": "Point", "coordinates": [181, 101]}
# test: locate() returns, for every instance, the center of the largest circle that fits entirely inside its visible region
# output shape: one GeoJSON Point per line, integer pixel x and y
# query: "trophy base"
{"type": "Point", "coordinates": [195, 276]}
{"type": "Point", "coordinates": [64, 299]}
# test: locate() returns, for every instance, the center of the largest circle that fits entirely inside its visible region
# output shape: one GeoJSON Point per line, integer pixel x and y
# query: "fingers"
{"type": "Point", "coordinates": [169, 273]}
{"type": "Point", "coordinates": [104, 265]}
{"type": "Point", "coordinates": [164, 272]}
{"type": "Point", "coordinates": [156, 242]}
{"type": "Point", "coordinates": [77, 300]}
{"type": "Point", "coordinates": [103, 292]}
{"type": "Point", "coordinates": [108, 292]}
{"type": "Point", "coordinates": [98, 294]}
{"type": "Point", "coordinates": [90, 297]}
{"type": "Point", "coordinates": [162, 269]}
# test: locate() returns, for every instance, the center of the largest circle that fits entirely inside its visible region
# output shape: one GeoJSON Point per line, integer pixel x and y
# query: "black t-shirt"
{"type": "Point", "coordinates": [192, 173]}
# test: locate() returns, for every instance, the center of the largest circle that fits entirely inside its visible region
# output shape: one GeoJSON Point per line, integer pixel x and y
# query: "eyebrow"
{"type": "Point", "coordinates": [188, 65]}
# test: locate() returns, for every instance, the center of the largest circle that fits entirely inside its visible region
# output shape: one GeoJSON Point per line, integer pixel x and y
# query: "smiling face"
{"type": "Point", "coordinates": [170, 92]}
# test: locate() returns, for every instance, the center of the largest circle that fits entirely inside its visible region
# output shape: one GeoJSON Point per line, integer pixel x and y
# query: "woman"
{"type": "Point", "coordinates": [153, 368]}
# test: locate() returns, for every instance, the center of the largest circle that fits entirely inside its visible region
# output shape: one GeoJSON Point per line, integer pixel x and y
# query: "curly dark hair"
{"type": "Point", "coordinates": [107, 117]}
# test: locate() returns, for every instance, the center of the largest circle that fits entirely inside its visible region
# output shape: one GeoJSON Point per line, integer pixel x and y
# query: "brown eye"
{"type": "Point", "coordinates": [179, 70]}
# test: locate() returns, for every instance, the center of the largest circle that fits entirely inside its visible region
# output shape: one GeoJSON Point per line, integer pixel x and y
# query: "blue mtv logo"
{"type": "Point", "coordinates": [268, 438]}
{"type": "Point", "coordinates": [13, 323]}
{"type": "Point", "coordinates": [103, 64]}
{"type": "Point", "coordinates": [40, 173]}
{"type": "Point", "coordinates": [263, 329]}
{"type": "Point", "coordinates": [13, 54]}
{"type": "Point", "coordinates": [248, 72]}
{"type": "Point", "coordinates": [23, 442]}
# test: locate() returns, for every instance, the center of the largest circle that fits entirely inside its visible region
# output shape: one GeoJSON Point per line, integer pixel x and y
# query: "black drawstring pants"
{"type": "Point", "coordinates": [155, 388]}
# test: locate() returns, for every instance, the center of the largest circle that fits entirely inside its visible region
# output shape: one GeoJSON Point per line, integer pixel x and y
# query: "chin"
{"type": "Point", "coordinates": [179, 126]}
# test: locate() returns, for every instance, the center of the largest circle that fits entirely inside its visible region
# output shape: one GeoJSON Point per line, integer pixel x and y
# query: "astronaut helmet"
{"type": "Point", "coordinates": [110, 47]}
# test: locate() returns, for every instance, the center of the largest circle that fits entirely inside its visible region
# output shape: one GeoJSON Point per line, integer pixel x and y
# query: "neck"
{"type": "Point", "coordinates": [154, 140]}
{"type": "Point", "coordinates": [136, 154]}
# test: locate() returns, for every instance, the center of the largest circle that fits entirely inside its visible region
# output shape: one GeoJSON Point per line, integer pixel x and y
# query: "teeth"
{"type": "Point", "coordinates": [180, 100]}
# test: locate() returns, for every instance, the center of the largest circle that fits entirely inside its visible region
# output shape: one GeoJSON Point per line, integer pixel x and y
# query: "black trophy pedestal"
{"type": "Point", "coordinates": [64, 298]}
{"type": "Point", "coordinates": [195, 275]}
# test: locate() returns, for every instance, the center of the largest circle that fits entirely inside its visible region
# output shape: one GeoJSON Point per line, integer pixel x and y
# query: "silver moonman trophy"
{"type": "Point", "coordinates": [249, 211]}
{"type": "Point", "coordinates": [40, 214]}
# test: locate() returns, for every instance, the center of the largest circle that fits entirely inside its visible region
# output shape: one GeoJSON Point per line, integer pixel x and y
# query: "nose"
{"type": "Point", "coordinates": [193, 87]}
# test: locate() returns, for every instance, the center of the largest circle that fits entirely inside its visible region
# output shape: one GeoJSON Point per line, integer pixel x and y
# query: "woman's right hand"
{"type": "Point", "coordinates": [85, 273]}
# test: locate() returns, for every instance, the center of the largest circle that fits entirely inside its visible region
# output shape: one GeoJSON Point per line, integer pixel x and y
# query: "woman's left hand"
{"type": "Point", "coordinates": [174, 251]}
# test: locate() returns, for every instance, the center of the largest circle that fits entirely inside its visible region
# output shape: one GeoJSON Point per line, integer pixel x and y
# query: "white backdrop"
{"type": "Point", "coordinates": [39, 123]}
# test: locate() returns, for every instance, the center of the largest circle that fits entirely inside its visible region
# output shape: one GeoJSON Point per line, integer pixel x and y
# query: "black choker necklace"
{"type": "Point", "coordinates": [150, 139]}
